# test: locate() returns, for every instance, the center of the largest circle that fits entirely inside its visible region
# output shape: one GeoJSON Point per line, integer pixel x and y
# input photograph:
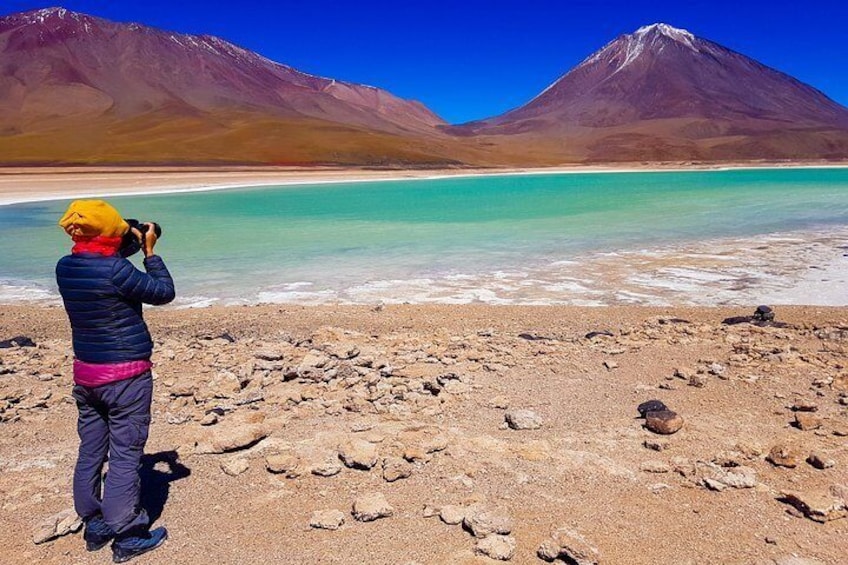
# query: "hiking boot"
{"type": "Point", "coordinates": [126, 548]}
{"type": "Point", "coordinates": [97, 534]}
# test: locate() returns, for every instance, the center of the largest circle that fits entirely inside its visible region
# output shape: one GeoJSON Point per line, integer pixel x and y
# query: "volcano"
{"type": "Point", "coordinates": [662, 93]}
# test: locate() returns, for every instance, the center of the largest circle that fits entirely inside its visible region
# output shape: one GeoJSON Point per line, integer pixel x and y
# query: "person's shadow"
{"type": "Point", "coordinates": [156, 483]}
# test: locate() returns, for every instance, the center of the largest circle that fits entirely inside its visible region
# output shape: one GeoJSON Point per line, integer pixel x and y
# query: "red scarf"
{"type": "Point", "coordinates": [99, 244]}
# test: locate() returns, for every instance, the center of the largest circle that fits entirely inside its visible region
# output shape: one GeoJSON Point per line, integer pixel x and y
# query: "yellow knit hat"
{"type": "Point", "coordinates": [91, 218]}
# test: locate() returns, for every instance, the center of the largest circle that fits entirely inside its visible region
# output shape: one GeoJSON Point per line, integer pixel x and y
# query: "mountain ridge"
{"type": "Point", "coordinates": [75, 88]}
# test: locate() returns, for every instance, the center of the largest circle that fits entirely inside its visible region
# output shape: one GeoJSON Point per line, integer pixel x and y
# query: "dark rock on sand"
{"type": "Point", "coordinates": [595, 334]}
{"type": "Point", "coordinates": [17, 341]}
{"type": "Point", "coordinates": [650, 406]}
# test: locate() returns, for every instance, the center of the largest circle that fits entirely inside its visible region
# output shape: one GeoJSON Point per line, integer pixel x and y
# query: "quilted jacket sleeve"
{"type": "Point", "coordinates": [153, 287]}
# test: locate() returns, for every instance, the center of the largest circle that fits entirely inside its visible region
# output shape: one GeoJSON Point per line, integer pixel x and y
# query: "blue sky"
{"type": "Point", "coordinates": [470, 59]}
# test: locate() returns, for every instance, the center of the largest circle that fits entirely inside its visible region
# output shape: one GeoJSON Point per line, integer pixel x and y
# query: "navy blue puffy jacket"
{"type": "Point", "coordinates": [103, 298]}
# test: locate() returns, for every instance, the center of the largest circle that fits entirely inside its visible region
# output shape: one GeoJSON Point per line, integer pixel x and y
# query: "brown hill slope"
{"type": "Point", "coordinates": [74, 88]}
{"type": "Point", "coordinates": [663, 94]}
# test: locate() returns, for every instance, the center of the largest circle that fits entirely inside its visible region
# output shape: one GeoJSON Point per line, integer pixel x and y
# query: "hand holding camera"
{"type": "Point", "coordinates": [140, 236]}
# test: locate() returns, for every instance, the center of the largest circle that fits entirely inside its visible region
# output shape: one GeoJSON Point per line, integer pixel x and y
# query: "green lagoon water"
{"type": "Point", "coordinates": [540, 238]}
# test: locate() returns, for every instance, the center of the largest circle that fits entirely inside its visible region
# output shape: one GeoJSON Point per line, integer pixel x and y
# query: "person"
{"type": "Point", "coordinates": [113, 385]}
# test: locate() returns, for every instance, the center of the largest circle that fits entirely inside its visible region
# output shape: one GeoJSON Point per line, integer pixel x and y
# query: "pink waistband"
{"type": "Point", "coordinates": [97, 374]}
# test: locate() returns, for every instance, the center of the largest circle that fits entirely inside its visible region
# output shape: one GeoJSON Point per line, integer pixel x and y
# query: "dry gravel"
{"type": "Point", "coordinates": [425, 390]}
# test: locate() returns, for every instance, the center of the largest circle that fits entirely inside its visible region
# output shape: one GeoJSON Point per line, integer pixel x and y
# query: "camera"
{"type": "Point", "coordinates": [130, 244]}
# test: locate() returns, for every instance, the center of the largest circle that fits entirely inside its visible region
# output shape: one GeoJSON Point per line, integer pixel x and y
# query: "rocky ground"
{"type": "Point", "coordinates": [454, 434]}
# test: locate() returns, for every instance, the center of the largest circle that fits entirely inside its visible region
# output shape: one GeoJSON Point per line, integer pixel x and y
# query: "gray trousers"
{"type": "Point", "coordinates": [113, 424]}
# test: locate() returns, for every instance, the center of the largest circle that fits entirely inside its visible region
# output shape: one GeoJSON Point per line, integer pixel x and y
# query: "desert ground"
{"type": "Point", "coordinates": [454, 434]}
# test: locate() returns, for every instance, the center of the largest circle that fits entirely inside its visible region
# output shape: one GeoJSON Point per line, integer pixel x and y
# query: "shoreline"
{"type": "Point", "coordinates": [28, 185]}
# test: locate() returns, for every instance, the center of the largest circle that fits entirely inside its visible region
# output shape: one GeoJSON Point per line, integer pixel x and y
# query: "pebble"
{"type": "Point", "coordinates": [805, 406]}
{"type": "Point", "coordinates": [785, 455]}
{"type": "Point", "coordinates": [286, 464]}
{"type": "Point", "coordinates": [569, 546]}
{"type": "Point", "coordinates": [698, 380]}
{"type": "Point", "coordinates": [655, 444]}
{"type": "Point", "coordinates": [59, 524]}
{"type": "Point", "coordinates": [819, 506]}
{"type": "Point", "coordinates": [395, 468]}
{"type": "Point", "coordinates": [663, 422]}
{"type": "Point", "coordinates": [650, 406]}
{"type": "Point", "coordinates": [358, 454]}
{"type": "Point", "coordinates": [481, 521]}
{"type": "Point", "coordinates": [718, 370]}
{"type": "Point", "coordinates": [500, 402]}
{"type": "Point", "coordinates": [209, 419]}
{"type": "Point", "coordinates": [654, 467]}
{"type": "Point", "coordinates": [610, 365]}
{"type": "Point", "coordinates": [327, 519]}
{"type": "Point", "coordinates": [501, 548]}
{"type": "Point", "coordinates": [371, 506]}
{"type": "Point", "coordinates": [452, 515]}
{"type": "Point", "coordinates": [326, 468]}
{"type": "Point", "coordinates": [523, 420]}
{"type": "Point", "coordinates": [807, 421]}
{"type": "Point", "coordinates": [820, 461]}
{"type": "Point", "coordinates": [235, 466]}
{"type": "Point", "coordinates": [222, 439]}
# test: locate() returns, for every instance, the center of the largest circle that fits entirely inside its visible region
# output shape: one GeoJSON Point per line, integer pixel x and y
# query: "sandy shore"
{"type": "Point", "coordinates": [259, 410]}
{"type": "Point", "coordinates": [49, 183]}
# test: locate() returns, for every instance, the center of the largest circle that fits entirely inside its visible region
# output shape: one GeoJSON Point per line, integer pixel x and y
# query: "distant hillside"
{"type": "Point", "coordinates": [75, 88]}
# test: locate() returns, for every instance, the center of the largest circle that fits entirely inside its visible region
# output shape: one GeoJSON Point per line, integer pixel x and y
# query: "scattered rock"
{"type": "Point", "coordinates": [698, 380]}
{"type": "Point", "coordinates": [60, 524]}
{"type": "Point", "coordinates": [327, 519]}
{"type": "Point", "coordinates": [497, 547]}
{"type": "Point", "coordinates": [816, 505]}
{"type": "Point", "coordinates": [209, 419]}
{"type": "Point", "coordinates": [650, 406]}
{"type": "Point", "coordinates": [500, 402]}
{"type": "Point", "coordinates": [523, 420]}
{"type": "Point", "coordinates": [820, 460]}
{"type": "Point", "coordinates": [785, 455]}
{"type": "Point", "coordinates": [287, 464]}
{"type": "Point", "coordinates": [805, 406]}
{"type": "Point", "coordinates": [718, 478]}
{"type": "Point", "coordinates": [654, 467]}
{"type": "Point", "coordinates": [684, 373]}
{"type": "Point", "coordinates": [481, 521]}
{"type": "Point", "coordinates": [327, 468]}
{"type": "Point", "coordinates": [358, 454]}
{"type": "Point", "coordinates": [807, 421]}
{"type": "Point", "coordinates": [569, 546]}
{"type": "Point", "coordinates": [655, 444]}
{"type": "Point", "coordinates": [663, 422]}
{"type": "Point", "coordinates": [452, 515]}
{"type": "Point", "coordinates": [718, 370]}
{"type": "Point", "coordinates": [601, 333]}
{"type": "Point", "coordinates": [17, 341]}
{"type": "Point", "coordinates": [371, 506]}
{"type": "Point", "coordinates": [235, 466]}
{"type": "Point", "coordinates": [395, 468]}
{"type": "Point", "coordinates": [223, 439]}
{"type": "Point", "coordinates": [763, 314]}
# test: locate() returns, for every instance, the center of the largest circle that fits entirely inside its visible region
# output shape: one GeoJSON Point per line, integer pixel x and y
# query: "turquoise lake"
{"type": "Point", "coordinates": [729, 236]}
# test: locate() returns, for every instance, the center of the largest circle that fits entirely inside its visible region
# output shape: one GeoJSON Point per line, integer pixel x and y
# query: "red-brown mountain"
{"type": "Point", "coordinates": [77, 88]}
{"type": "Point", "coordinates": [662, 93]}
